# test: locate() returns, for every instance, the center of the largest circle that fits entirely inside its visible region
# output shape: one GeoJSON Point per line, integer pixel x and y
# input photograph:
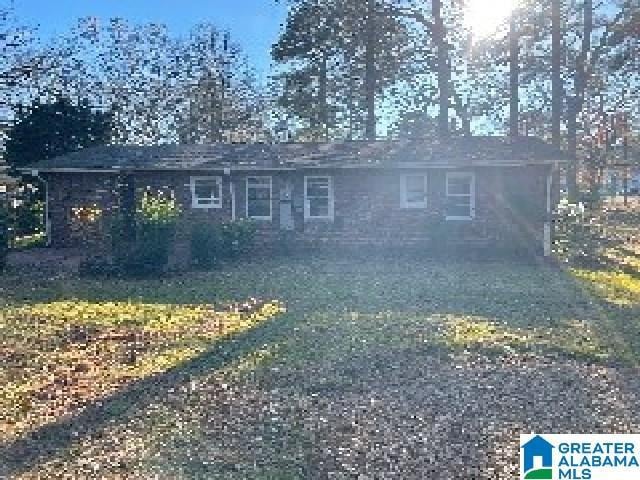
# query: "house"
{"type": "Point", "coordinates": [488, 191]}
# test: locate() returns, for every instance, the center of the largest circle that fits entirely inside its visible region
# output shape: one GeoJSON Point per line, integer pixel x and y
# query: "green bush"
{"type": "Point", "coordinates": [238, 237]}
{"type": "Point", "coordinates": [213, 243]}
{"type": "Point", "coordinates": [28, 217]}
{"type": "Point", "coordinates": [206, 245]}
{"type": "Point", "coordinates": [578, 234]}
{"type": "Point", "coordinates": [98, 267]}
{"type": "Point", "coordinates": [4, 237]}
{"type": "Point", "coordinates": [145, 249]}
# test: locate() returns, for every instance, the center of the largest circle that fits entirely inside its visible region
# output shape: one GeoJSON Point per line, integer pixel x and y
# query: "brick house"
{"type": "Point", "coordinates": [489, 191]}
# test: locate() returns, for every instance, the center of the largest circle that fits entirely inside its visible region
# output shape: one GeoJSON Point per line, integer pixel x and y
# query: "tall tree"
{"type": "Point", "coordinates": [221, 99]}
{"type": "Point", "coordinates": [18, 58]}
{"type": "Point", "coordinates": [308, 38]}
{"type": "Point", "coordinates": [556, 72]}
{"type": "Point", "coordinates": [44, 131]}
{"type": "Point", "coordinates": [160, 88]}
{"type": "Point", "coordinates": [514, 76]}
{"type": "Point", "coordinates": [341, 63]}
{"type": "Point", "coordinates": [453, 71]}
{"type": "Point", "coordinates": [370, 69]}
{"type": "Point", "coordinates": [438, 34]}
{"type": "Point", "coordinates": [20, 63]}
{"type": "Point", "coordinates": [575, 102]}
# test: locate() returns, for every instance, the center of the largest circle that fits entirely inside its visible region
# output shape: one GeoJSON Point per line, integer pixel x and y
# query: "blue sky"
{"type": "Point", "coordinates": [253, 23]}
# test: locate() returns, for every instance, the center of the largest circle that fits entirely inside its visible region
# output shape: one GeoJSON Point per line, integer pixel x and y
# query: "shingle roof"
{"type": "Point", "coordinates": [457, 151]}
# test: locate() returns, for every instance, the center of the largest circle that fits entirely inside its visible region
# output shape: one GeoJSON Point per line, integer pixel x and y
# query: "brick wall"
{"type": "Point", "coordinates": [509, 201]}
{"type": "Point", "coordinates": [69, 192]}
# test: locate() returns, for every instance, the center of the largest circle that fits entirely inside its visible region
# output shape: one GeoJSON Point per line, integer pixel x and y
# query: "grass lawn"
{"type": "Point", "coordinates": [311, 368]}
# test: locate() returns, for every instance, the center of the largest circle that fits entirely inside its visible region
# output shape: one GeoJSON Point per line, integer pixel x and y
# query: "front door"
{"type": "Point", "coordinates": [286, 209]}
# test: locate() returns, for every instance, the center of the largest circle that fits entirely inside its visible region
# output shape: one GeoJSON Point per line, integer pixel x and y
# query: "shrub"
{"type": "Point", "coordinates": [98, 267]}
{"type": "Point", "coordinates": [28, 217]}
{"type": "Point", "coordinates": [26, 210]}
{"type": "Point", "coordinates": [213, 243]}
{"type": "Point", "coordinates": [238, 237]}
{"type": "Point", "coordinates": [577, 232]}
{"type": "Point", "coordinates": [206, 245]}
{"type": "Point", "coordinates": [147, 251]}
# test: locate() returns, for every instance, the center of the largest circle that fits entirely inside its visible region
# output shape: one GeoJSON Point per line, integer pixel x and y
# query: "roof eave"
{"type": "Point", "coordinates": [118, 170]}
{"type": "Point", "coordinates": [250, 168]}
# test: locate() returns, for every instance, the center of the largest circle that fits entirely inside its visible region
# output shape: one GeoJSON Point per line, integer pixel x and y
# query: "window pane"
{"type": "Point", "coordinates": [319, 207]}
{"type": "Point", "coordinates": [463, 201]}
{"type": "Point", "coordinates": [318, 187]}
{"type": "Point", "coordinates": [259, 208]}
{"type": "Point", "coordinates": [206, 189]}
{"type": "Point", "coordinates": [459, 186]}
{"type": "Point", "coordinates": [416, 197]}
{"type": "Point", "coordinates": [459, 209]}
{"type": "Point", "coordinates": [415, 190]}
{"type": "Point", "coordinates": [258, 196]}
{"type": "Point", "coordinates": [415, 184]}
{"type": "Point", "coordinates": [259, 193]}
{"type": "Point", "coordinates": [259, 181]}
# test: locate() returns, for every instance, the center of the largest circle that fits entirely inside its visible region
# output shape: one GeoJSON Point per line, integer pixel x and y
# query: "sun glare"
{"type": "Point", "coordinates": [484, 16]}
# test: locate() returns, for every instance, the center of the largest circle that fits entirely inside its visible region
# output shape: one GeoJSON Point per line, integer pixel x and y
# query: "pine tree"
{"type": "Point", "coordinates": [337, 62]}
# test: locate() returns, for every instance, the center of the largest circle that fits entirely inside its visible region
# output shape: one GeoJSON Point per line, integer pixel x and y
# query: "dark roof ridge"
{"type": "Point", "coordinates": [455, 151]}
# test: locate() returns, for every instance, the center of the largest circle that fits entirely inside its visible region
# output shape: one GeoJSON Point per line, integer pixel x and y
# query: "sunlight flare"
{"type": "Point", "coordinates": [483, 17]}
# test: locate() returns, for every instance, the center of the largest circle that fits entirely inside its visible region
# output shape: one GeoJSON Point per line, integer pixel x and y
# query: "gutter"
{"type": "Point", "coordinates": [224, 170]}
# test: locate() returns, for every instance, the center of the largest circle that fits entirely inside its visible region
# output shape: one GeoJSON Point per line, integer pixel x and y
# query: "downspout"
{"type": "Point", "coordinates": [47, 221]}
{"type": "Point", "coordinates": [232, 193]}
{"type": "Point", "coordinates": [547, 233]}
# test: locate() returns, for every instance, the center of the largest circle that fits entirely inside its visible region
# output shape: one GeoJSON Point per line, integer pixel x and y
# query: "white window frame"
{"type": "Point", "coordinates": [404, 201]}
{"type": "Point", "coordinates": [212, 202]}
{"type": "Point", "coordinates": [472, 194]}
{"type": "Point", "coordinates": [307, 200]}
{"type": "Point", "coordinates": [270, 217]}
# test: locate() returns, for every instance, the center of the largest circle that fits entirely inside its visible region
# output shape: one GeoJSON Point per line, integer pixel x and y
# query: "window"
{"type": "Point", "coordinates": [259, 198]}
{"type": "Point", "coordinates": [460, 196]}
{"type": "Point", "coordinates": [413, 191]}
{"type": "Point", "coordinates": [318, 198]}
{"type": "Point", "coordinates": [206, 192]}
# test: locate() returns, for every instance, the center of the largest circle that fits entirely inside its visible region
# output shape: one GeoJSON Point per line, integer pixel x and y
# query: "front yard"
{"type": "Point", "coordinates": [311, 368]}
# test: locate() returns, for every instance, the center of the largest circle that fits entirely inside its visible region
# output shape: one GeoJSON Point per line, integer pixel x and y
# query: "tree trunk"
{"type": "Point", "coordinates": [212, 92]}
{"type": "Point", "coordinates": [514, 74]}
{"type": "Point", "coordinates": [556, 78]}
{"type": "Point", "coordinates": [438, 36]}
{"type": "Point", "coordinates": [466, 122]}
{"type": "Point", "coordinates": [221, 106]}
{"type": "Point", "coordinates": [370, 71]}
{"type": "Point", "coordinates": [572, 127]}
{"type": "Point", "coordinates": [351, 104]}
{"type": "Point", "coordinates": [578, 101]}
{"type": "Point", "coordinates": [352, 89]}
{"type": "Point", "coordinates": [323, 104]}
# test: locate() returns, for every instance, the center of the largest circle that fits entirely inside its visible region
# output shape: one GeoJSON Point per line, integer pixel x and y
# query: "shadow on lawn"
{"type": "Point", "coordinates": [512, 296]}
{"type": "Point", "coordinates": [618, 323]}
{"type": "Point", "coordinates": [53, 439]}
